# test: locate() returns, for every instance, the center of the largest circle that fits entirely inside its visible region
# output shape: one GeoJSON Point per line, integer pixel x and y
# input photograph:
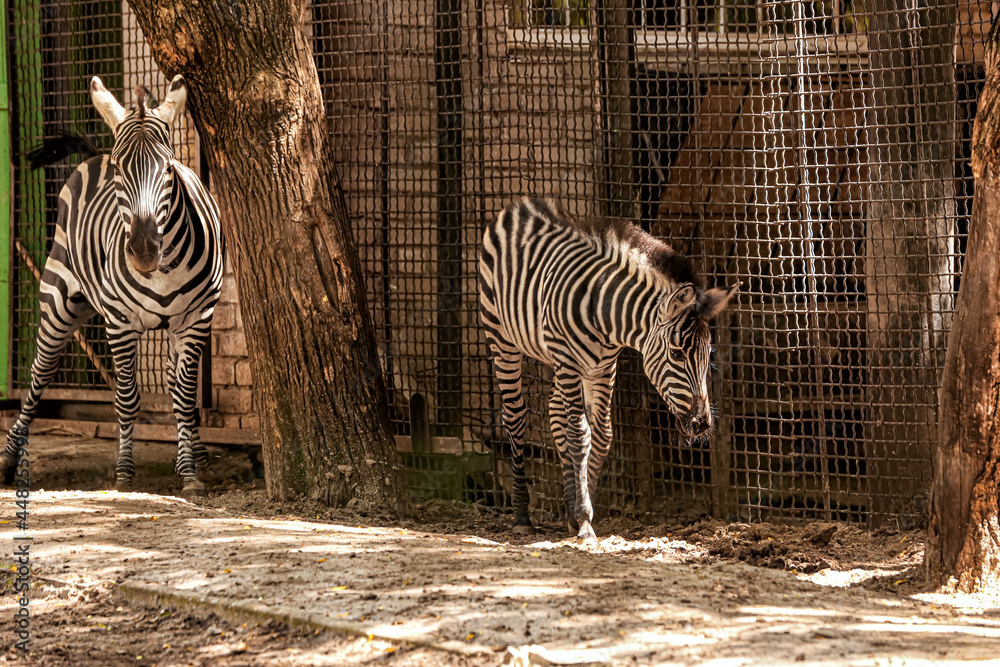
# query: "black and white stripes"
{"type": "Point", "coordinates": [137, 240]}
{"type": "Point", "coordinates": [573, 294]}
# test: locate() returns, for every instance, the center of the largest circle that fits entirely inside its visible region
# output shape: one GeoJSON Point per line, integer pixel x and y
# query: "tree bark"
{"type": "Point", "coordinates": [256, 100]}
{"type": "Point", "coordinates": [964, 533]}
{"type": "Point", "coordinates": [910, 254]}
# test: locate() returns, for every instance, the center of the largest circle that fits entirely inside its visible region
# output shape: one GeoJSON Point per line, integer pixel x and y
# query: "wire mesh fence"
{"type": "Point", "coordinates": [56, 47]}
{"type": "Point", "coordinates": [815, 150]}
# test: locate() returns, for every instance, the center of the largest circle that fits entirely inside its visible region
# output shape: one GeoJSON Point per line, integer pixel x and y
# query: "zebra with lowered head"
{"type": "Point", "coordinates": [137, 240]}
{"type": "Point", "coordinates": [572, 294]}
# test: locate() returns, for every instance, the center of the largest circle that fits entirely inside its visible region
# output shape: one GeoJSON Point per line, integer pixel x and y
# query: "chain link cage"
{"type": "Point", "coordinates": [816, 150]}
{"type": "Point", "coordinates": [56, 46]}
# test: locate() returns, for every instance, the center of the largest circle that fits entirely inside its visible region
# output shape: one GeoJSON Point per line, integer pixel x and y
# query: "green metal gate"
{"type": "Point", "coordinates": [55, 49]}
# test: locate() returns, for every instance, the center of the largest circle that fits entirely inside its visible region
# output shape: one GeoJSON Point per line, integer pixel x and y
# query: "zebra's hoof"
{"type": "Point", "coordinates": [586, 534]}
{"type": "Point", "coordinates": [122, 486]}
{"type": "Point", "coordinates": [193, 490]}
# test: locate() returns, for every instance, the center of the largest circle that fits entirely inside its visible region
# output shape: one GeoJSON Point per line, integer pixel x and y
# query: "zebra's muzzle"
{"type": "Point", "coordinates": [144, 247]}
{"type": "Point", "coordinates": [144, 261]}
{"type": "Point", "coordinates": [696, 422]}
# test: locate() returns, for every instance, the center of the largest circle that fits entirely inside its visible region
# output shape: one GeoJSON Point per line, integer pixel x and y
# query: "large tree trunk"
{"type": "Point", "coordinates": [255, 98]}
{"type": "Point", "coordinates": [909, 244]}
{"type": "Point", "coordinates": [964, 534]}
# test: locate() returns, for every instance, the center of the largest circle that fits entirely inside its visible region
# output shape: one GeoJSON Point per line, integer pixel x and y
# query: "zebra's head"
{"type": "Point", "coordinates": [142, 159]}
{"type": "Point", "coordinates": [675, 353]}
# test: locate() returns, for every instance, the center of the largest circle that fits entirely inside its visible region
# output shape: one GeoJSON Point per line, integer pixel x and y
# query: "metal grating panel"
{"type": "Point", "coordinates": [815, 151]}
{"type": "Point", "coordinates": [56, 48]}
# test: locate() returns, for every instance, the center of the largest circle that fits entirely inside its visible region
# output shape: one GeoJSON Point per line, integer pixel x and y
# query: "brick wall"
{"type": "Point", "coordinates": [232, 384]}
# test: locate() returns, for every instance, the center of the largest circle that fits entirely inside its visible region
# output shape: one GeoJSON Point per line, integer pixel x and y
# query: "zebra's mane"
{"type": "Point", "coordinates": [657, 255]}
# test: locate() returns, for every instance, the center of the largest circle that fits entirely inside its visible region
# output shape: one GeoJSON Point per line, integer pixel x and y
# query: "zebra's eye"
{"type": "Point", "coordinates": [676, 354]}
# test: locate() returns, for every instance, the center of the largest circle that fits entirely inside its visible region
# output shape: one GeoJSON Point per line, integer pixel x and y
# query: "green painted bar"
{"type": "Point", "coordinates": [6, 188]}
{"type": "Point", "coordinates": [29, 227]}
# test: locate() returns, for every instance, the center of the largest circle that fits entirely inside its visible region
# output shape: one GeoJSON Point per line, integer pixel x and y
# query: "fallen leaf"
{"type": "Point", "coordinates": [469, 637]}
{"type": "Point", "coordinates": [226, 571]}
{"type": "Point", "coordinates": [321, 560]}
{"type": "Point", "coordinates": [339, 588]}
{"type": "Point", "coordinates": [535, 554]}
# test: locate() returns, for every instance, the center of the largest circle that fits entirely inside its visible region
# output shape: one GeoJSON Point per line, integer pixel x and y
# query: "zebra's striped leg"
{"type": "Point", "coordinates": [124, 347]}
{"type": "Point", "coordinates": [568, 415]}
{"type": "Point", "coordinates": [507, 366]}
{"type": "Point", "coordinates": [62, 313]}
{"type": "Point", "coordinates": [599, 393]}
{"type": "Point", "coordinates": [184, 391]}
{"type": "Point", "coordinates": [197, 448]}
{"type": "Point", "coordinates": [557, 422]}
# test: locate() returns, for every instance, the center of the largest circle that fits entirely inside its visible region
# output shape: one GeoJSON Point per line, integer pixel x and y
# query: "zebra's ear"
{"type": "Point", "coordinates": [111, 111]}
{"type": "Point", "coordinates": [716, 299]}
{"type": "Point", "coordinates": [173, 105]}
{"type": "Point", "coordinates": [676, 303]}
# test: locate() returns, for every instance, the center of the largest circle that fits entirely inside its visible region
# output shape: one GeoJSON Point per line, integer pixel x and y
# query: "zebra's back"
{"type": "Point", "coordinates": [536, 268]}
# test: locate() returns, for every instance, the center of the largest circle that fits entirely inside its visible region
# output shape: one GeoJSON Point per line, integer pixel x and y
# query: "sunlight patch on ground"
{"type": "Point", "coordinates": [915, 626]}
{"type": "Point", "coordinates": [788, 612]}
{"type": "Point", "coordinates": [966, 603]}
{"type": "Point", "coordinates": [527, 590]}
{"type": "Point", "coordinates": [657, 549]}
{"type": "Point", "coordinates": [845, 578]}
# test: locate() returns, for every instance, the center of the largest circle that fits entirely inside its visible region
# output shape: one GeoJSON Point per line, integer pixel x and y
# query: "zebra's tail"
{"type": "Point", "coordinates": [58, 148]}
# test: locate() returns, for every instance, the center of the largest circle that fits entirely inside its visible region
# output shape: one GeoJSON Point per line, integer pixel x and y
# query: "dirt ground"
{"type": "Point", "coordinates": [144, 579]}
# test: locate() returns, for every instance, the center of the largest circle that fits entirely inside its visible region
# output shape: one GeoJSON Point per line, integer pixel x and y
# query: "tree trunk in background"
{"type": "Point", "coordinates": [910, 253]}
{"type": "Point", "coordinates": [256, 100]}
{"type": "Point", "coordinates": [964, 533]}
